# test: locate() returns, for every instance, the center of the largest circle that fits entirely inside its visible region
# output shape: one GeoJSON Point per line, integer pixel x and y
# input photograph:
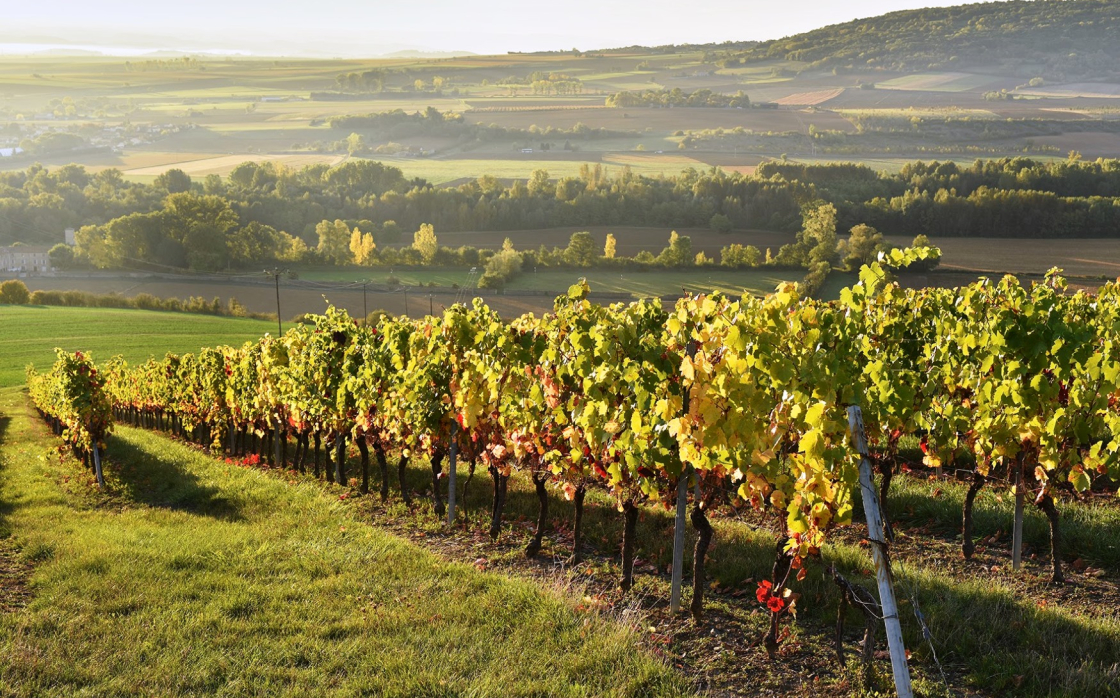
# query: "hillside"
{"type": "Point", "coordinates": [1077, 39]}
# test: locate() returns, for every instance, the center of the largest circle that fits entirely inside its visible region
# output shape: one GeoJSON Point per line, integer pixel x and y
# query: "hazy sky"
{"type": "Point", "coordinates": [355, 27]}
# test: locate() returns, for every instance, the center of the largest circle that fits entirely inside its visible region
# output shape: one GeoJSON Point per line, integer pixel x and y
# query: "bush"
{"type": "Point", "coordinates": [721, 223]}
{"type": "Point", "coordinates": [491, 280]}
{"type": "Point", "coordinates": [14, 292]}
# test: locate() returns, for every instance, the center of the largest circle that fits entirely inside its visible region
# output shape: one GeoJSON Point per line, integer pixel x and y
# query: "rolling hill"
{"type": "Point", "coordinates": [1055, 40]}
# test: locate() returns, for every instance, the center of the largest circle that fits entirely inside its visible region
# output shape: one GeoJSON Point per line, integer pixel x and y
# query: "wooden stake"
{"type": "Point", "coordinates": [1017, 534]}
{"type": "Point", "coordinates": [682, 507]}
{"type": "Point", "coordinates": [97, 468]}
{"type": "Point", "coordinates": [881, 558]}
{"type": "Point", "coordinates": [678, 541]}
{"type": "Point", "coordinates": [452, 451]}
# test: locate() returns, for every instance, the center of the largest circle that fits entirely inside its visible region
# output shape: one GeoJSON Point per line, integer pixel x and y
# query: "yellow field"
{"type": "Point", "coordinates": [809, 99]}
{"type": "Point", "coordinates": [938, 82]}
{"type": "Point", "coordinates": [224, 164]}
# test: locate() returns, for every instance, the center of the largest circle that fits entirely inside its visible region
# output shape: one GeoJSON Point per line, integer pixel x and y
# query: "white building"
{"type": "Point", "coordinates": [24, 258]}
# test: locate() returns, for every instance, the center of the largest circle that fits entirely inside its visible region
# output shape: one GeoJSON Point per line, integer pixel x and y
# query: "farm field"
{"type": "Point", "coordinates": [1078, 258]}
{"type": "Point", "coordinates": [31, 334]}
{"type": "Point", "coordinates": [223, 165]}
{"type": "Point", "coordinates": [654, 284]}
{"type": "Point", "coordinates": [940, 82]}
{"type": "Point", "coordinates": [528, 293]}
{"type": "Point", "coordinates": [235, 109]}
{"type": "Point", "coordinates": [636, 284]}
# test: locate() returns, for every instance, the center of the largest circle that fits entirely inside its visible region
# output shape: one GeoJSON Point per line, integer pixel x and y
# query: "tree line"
{"type": "Point", "coordinates": [264, 212]}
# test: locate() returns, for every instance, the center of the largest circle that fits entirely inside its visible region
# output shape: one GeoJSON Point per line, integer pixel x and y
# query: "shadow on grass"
{"type": "Point", "coordinates": [1001, 640]}
{"type": "Point", "coordinates": [1087, 530]}
{"type": "Point", "coordinates": [6, 507]}
{"type": "Point", "coordinates": [148, 476]}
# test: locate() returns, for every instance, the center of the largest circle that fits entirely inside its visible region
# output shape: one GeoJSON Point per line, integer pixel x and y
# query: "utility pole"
{"type": "Point", "coordinates": [276, 273]}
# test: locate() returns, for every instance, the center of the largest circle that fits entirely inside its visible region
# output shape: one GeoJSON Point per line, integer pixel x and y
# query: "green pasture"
{"type": "Point", "coordinates": [31, 334]}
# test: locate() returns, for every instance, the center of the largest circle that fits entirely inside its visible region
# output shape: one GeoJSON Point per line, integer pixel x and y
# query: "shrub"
{"type": "Point", "coordinates": [14, 292]}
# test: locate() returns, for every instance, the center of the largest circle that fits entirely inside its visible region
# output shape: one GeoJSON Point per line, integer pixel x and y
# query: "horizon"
{"type": "Point", "coordinates": [252, 29]}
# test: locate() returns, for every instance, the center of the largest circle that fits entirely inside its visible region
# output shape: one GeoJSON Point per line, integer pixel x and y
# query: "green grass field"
{"type": "Point", "coordinates": [32, 332]}
{"type": "Point", "coordinates": [194, 577]}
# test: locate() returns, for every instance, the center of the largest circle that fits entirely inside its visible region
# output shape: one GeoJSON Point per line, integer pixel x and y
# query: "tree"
{"type": "Point", "coordinates": [820, 228]}
{"type": "Point", "coordinates": [362, 247]}
{"type": "Point", "coordinates": [502, 267]}
{"type": "Point", "coordinates": [355, 144]}
{"type": "Point", "coordinates": [737, 256]}
{"type": "Point", "coordinates": [14, 292]}
{"type": "Point", "coordinates": [201, 224]}
{"type": "Point", "coordinates": [721, 223]}
{"type": "Point", "coordinates": [424, 241]}
{"type": "Point", "coordinates": [174, 181]}
{"type": "Point", "coordinates": [61, 256]}
{"type": "Point", "coordinates": [539, 184]}
{"type": "Point", "coordinates": [929, 263]}
{"type": "Point", "coordinates": [610, 248]}
{"type": "Point", "coordinates": [581, 250]}
{"type": "Point", "coordinates": [334, 241]}
{"type": "Point", "coordinates": [863, 245]}
{"type": "Point", "coordinates": [816, 241]}
{"type": "Point", "coordinates": [256, 243]}
{"type": "Point", "coordinates": [294, 249]}
{"type": "Point", "coordinates": [678, 253]}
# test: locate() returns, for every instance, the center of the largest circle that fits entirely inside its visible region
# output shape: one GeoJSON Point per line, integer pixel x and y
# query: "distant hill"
{"type": "Point", "coordinates": [1054, 39]}
{"type": "Point", "coordinates": [415, 53]}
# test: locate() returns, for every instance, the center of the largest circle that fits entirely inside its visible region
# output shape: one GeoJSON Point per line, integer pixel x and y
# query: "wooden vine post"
{"type": "Point", "coordinates": [682, 508]}
{"type": "Point", "coordinates": [1017, 533]}
{"type": "Point", "coordinates": [678, 541]}
{"type": "Point", "coordinates": [879, 555]}
{"type": "Point", "coordinates": [97, 467]}
{"type": "Point", "coordinates": [452, 452]}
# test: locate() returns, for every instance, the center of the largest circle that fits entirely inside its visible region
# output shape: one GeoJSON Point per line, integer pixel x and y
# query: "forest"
{"type": "Point", "coordinates": [1056, 40]}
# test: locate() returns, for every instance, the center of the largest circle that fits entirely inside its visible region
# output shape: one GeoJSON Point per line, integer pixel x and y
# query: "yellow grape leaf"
{"type": "Point", "coordinates": [687, 369]}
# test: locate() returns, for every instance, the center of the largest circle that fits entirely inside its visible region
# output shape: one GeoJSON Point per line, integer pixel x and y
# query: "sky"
{"type": "Point", "coordinates": [375, 27]}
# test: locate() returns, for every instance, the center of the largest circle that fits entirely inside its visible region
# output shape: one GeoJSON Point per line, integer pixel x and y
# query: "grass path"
{"type": "Point", "coordinates": [194, 577]}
